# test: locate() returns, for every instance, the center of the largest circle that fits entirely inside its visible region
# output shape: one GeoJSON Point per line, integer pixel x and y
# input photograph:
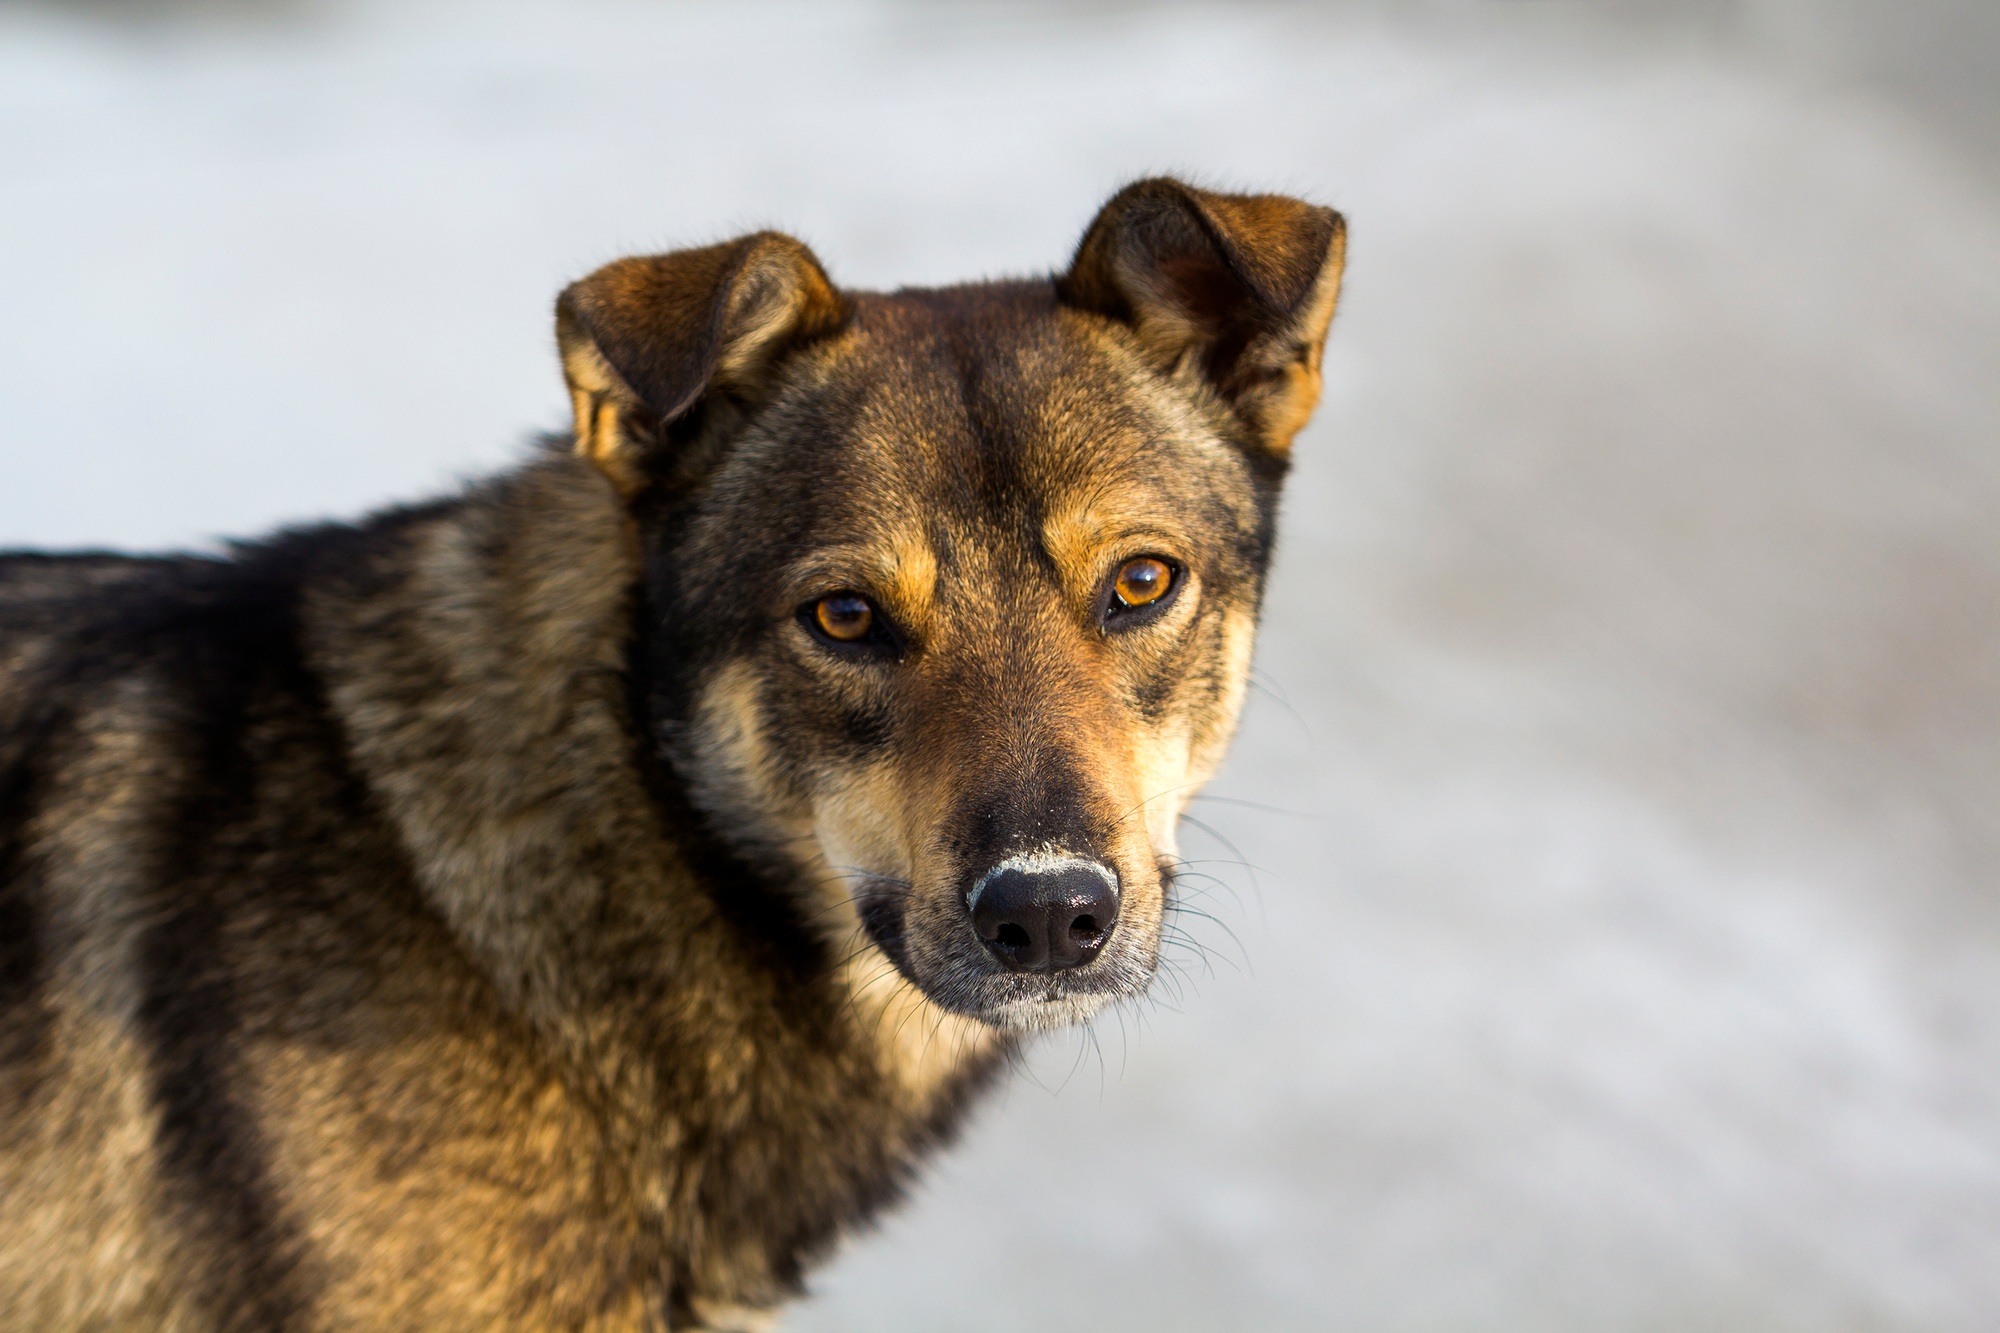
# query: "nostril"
{"type": "Point", "coordinates": [1041, 918]}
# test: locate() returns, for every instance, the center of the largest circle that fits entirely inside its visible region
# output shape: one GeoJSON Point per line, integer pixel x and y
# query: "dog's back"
{"type": "Point", "coordinates": [172, 809]}
{"type": "Point", "coordinates": [250, 1080]}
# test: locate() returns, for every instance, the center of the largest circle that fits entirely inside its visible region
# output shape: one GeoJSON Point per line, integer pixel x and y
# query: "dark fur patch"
{"type": "Point", "coordinates": [228, 653]}
{"type": "Point", "coordinates": [24, 1014]}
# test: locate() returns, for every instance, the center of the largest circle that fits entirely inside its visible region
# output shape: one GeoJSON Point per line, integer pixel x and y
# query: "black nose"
{"type": "Point", "coordinates": [1044, 920]}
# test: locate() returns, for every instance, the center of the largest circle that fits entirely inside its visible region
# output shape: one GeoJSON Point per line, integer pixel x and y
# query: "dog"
{"type": "Point", "coordinates": [576, 903]}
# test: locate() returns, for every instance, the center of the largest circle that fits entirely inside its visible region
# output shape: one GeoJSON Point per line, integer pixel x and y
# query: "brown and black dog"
{"type": "Point", "coordinates": [571, 904]}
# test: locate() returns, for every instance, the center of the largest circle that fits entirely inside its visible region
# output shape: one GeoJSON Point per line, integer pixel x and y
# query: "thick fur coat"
{"type": "Point", "coordinates": [545, 908]}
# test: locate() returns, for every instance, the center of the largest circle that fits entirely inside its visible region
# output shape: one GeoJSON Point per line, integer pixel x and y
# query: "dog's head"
{"type": "Point", "coordinates": [952, 591]}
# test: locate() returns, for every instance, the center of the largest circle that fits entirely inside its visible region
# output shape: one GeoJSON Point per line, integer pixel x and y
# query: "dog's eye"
{"type": "Point", "coordinates": [844, 617]}
{"type": "Point", "coordinates": [1143, 581]}
{"type": "Point", "coordinates": [851, 625]}
{"type": "Point", "coordinates": [1138, 592]}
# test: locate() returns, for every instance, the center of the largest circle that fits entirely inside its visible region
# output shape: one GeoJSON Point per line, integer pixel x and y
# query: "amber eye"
{"type": "Point", "coordinates": [844, 616]}
{"type": "Point", "coordinates": [1143, 581]}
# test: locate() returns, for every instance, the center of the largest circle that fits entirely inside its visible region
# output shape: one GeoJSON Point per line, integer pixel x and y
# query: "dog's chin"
{"type": "Point", "coordinates": [1041, 1002]}
{"type": "Point", "coordinates": [1043, 1015]}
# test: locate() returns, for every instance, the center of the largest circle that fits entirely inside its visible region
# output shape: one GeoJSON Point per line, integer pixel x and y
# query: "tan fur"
{"type": "Point", "coordinates": [80, 1238]}
{"type": "Point", "coordinates": [1288, 403]}
{"type": "Point", "coordinates": [596, 393]}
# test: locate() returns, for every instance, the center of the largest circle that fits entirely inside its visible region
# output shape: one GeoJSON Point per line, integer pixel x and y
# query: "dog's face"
{"type": "Point", "coordinates": [957, 588]}
{"type": "Point", "coordinates": [975, 598]}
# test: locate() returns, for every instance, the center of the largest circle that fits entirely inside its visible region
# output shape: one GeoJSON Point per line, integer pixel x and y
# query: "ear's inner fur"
{"type": "Point", "coordinates": [1239, 288]}
{"type": "Point", "coordinates": [643, 340]}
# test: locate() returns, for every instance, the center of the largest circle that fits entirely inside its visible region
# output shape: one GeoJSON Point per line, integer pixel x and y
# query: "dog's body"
{"type": "Point", "coordinates": [571, 904]}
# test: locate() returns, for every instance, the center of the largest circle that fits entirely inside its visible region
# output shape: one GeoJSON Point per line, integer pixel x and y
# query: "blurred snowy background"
{"type": "Point", "coordinates": [1623, 951]}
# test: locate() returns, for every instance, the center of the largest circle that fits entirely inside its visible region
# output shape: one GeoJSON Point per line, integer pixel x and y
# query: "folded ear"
{"type": "Point", "coordinates": [645, 340]}
{"type": "Point", "coordinates": [1235, 288]}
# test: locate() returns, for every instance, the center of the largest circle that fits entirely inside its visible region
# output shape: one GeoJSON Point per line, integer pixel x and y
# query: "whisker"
{"type": "Point", "coordinates": [1164, 791]}
{"type": "Point", "coordinates": [1221, 925]}
{"type": "Point", "coordinates": [1199, 884]}
{"type": "Point", "coordinates": [1251, 805]}
{"type": "Point", "coordinates": [1230, 846]}
{"type": "Point", "coordinates": [1271, 691]}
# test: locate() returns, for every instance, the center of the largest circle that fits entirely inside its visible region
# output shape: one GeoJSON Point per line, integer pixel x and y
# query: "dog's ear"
{"type": "Point", "coordinates": [1235, 288]}
{"type": "Point", "coordinates": [645, 340]}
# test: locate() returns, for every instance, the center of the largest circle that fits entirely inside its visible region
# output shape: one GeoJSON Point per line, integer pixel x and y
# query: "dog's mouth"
{"type": "Point", "coordinates": [962, 974]}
